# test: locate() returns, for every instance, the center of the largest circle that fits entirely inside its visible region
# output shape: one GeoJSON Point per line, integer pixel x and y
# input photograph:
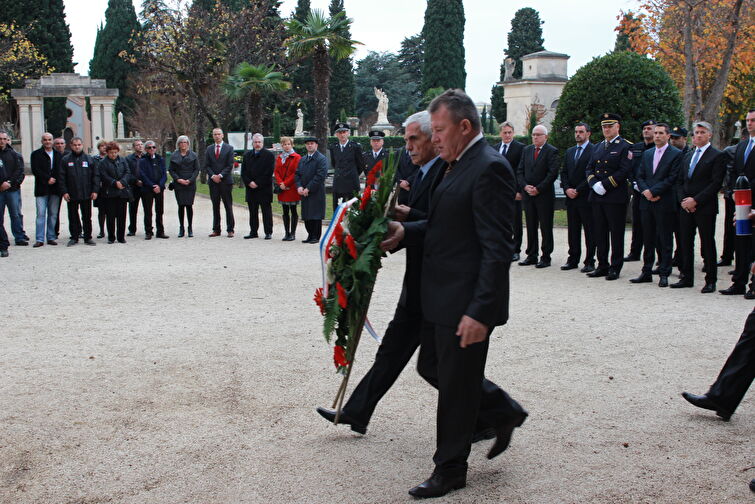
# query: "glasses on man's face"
{"type": "Point", "coordinates": [151, 147]}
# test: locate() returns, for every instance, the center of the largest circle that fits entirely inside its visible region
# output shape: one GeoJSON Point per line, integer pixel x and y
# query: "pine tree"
{"type": "Point", "coordinates": [412, 58]}
{"type": "Point", "coordinates": [342, 88]}
{"type": "Point", "coordinates": [443, 33]}
{"type": "Point", "coordinates": [525, 37]}
{"type": "Point", "coordinates": [107, 62]}
{"type": "Point", "coordinates": [44, 24]}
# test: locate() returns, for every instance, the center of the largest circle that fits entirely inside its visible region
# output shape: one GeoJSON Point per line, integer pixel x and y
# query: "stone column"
{"type": "Point", "coordinates": [102, 118]}
{"type": "Point", "coordinates": [31, 118]}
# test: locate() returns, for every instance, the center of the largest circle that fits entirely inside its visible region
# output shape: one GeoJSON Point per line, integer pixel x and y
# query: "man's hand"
{"type": "Point", "coordinates": [598, 188]}
{"type": "Point", "coordinates": [648, 195]}
{"type": "Point", "coordinates": [471, 331]}
{"type": "Point", "coordinates": [404, 184]}
{"type": "Point", "coordinates": [393, 237]}
{"type": "Point", "coordinates": [689, 204]}
{"type": "Point", "coordinates": [300, 191]}
{"type": "Point", "coordinates": [531, 190]}
{"type": "Point", "coordinates": [156, 189]}
{"type": "Point", "coordinates": [139, 183]}
{"type": "Point", "coordinates": [4, 186]}
{"type": "Point", "coordinates": [306, 193]}
{"type": "Point", "coordinates": [51, 181]}
{"type": "Point", "coordinates": [518, 197]}
{"type": "Point", "coordinates": [67, 197]}
{"type": "Point", "coordinates": [93, 196]}
{"type": "Point", "coordinates": [183, 181]}
{"type": "Point", "coordinates": [283, 187]}
{"type": "Point", "coordinates": [118, 184]}
{"type": "Point", "coordinates": [572, 193]}
{"type": "Point", "coordinates": [401, 212]}
{"type": "Point", "coordinates": [253, 184]}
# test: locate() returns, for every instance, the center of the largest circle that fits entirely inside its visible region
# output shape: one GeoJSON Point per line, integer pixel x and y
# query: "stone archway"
{"type": "Point", "coordinates": [63, 85]}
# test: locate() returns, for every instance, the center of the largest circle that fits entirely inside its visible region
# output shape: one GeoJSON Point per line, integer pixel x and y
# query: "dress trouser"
{"type": "Point", "coordinates": [727, 255]}
{"type": "Point", "coordinates": [74, 224]}
{"type": "Point", "coordinates": [743, 251]}
{"type": "Point", "coordinates": [267, 216]}
{"type": "Point", "coordinates": [463, 405]}
{"type": "Point", "coordinates": [635, 248]}
{"type": "Point", "coordinates": [115, 217]}
{"type": "Point", "coordinates": [342, 196]}
{"type": "Point", "coordinates": [579, 218]}
{"type": "Point", "coordinates": [314, 228]}
{"type": "Point", "coordinates": [518, 231]}
{"type": "Point", "coordinates": [133, 208]}
{"type": "Point", "coordinates": [705, 225]}
{"type": "Point", "coordinates": [4, 243]}
{"type": "Point", "coordinates": [658, 231]}
{"type": "Point", "coordinates": [609, 223]}
{"type": "Point", "coordinates": [538, 212]}
{"type": "Point", "coordinates": [738, 372]}
{"type": "Point", "coordinates": [222, 192]}
{"type": "Point", "coordinates": [159, 200]}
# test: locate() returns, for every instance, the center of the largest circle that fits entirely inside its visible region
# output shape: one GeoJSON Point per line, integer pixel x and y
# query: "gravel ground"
{"type": "Point", "coordinates": [188, 370]}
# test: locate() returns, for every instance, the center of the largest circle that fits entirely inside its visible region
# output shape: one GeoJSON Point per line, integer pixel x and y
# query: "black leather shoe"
{"type": "Point", "coordinates": [130, 233]}
{"type": "Point", "coordinates": [711, 287]}
{"type": "Point", "coordinates": [705, 402]}
{"type": "Point", "coordinates": [530, 261]}
{"type": "Point", "coordinates": [307, 240]}
{"type": "Point", "coordinates": [515, 257]}
{"type": "Point", "coordinates": [483, 435]}
{"type": "Point", "coordinates": [724, 262]}
{"type": "Point", "coordinates": [663, 281]}
{"type": "Point", "coordinates": [503, 435]}
{"type": "Point", "coordinates": [313, 240]}
{"type": "Point", "coordinates": [569, 266]}
{"type": "Point", "coordinates": [330, 416]}
{"type": "Point", "coordinates": [680, 284]}
{"type": "Point", "coordinates": [268, 237]}
{"type": "Point", "coordinates": [598, 273]}
{"type": "Point", "coordinates": [612, 275]}
{"type": "Point", "coordinates": [632, 257]}
{"type": "Point", "coordinates": [148, 237]}
{"type": "Point", "coordinates": [750, 294]}
{"type": "Point", "coordinates": [587, 268]}
{"type": "Point", "coordinates": [22, 243]}
{"type": "Point", "coordinates": [656, 271]}
{"type": "Point", "coordinates": [733, 290]}
{"type": "Point", "coordinates": [162, 236]}
{"type": "Point", "coordinates": [101, 235]}
{"type": "Point", "coordinates": [89, 242]}
{"type": "Point", "coordinates": [438, 485]}
{"type": "Point", "coordinates": [643, 278]}
{"type": "Point", "coordinates": [71, 243]}
{"type": "Point", "coordinates": [250, 236]}
{"type": "Point", "coordinates": [3, 253]}
{"type": "Point", "coordinates": [543, 264]}
{"type": "Point", "coordinates": [752, 485]}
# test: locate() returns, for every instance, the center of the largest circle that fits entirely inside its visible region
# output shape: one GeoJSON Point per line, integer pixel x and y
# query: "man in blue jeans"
{"type": "Point", "coordinates": [10, 191]}
{"type": "Point", "coordinates": [45, 165]}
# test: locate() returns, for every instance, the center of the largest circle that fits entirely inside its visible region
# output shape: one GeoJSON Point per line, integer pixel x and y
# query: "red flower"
{"type": "Point", "coordinates": [351, 245]}
{"type": "Point", "coordinates": [373, 175]}
{"type": "Point", "coordinates": [320, 300]}
{"type": "Point", "coordinates": [342, 298]}
{"type": "Point", "coordinates": [338, 233]}
{"type": "Point", "coordinates": [366, 196]}
{"type": "Point", "coordinates": [339, 356]}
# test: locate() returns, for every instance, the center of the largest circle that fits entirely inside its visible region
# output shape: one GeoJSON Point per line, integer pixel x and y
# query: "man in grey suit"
{"type": "Point", "coordinates": [218, 162]}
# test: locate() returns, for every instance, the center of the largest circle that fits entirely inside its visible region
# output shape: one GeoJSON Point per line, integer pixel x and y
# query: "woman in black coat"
{"type": "Point", "coordinates": [100, 209]}
{"type": "Point", "coordinates": [184, 168]}
{"type": "Point", "coordinates": [116, 178]}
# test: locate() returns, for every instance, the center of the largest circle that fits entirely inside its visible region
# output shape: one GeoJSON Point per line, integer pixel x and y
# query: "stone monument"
{"type": "Point", "coordinates": [299, 131]}
{"type": "Point", "coordinates": [382, 123]}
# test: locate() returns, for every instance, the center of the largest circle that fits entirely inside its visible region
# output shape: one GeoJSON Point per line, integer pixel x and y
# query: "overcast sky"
{"type": "Point", "coordinates": [570, 27]}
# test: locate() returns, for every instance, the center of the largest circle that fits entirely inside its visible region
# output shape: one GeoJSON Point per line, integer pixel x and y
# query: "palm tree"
{"type": "Point", "coordinates": [253, 82]}
{"type": "Point", "coordinates": [321, 38]}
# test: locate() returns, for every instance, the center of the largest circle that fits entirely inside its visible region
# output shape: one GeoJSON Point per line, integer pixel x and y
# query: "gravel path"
{"type": "Point", "coordinates": [188, 370]}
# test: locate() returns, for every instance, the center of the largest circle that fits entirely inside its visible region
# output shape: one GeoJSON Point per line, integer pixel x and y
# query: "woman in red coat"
{"type": "Point", "coordinates": [285, 172]}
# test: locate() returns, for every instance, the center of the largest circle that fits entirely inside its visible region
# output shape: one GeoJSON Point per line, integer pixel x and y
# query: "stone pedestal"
{"type": "Point", "coordinates": [386, 128]}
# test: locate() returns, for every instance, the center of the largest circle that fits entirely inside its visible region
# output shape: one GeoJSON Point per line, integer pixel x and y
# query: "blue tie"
{"type": "Point", "coordinates": [505, 150]}
{"type": "Point", "coordinates": [578, 153]}
{"type": "Point", "coordinates": [693, 163]}
{"type": "Point", "coordinates": [749, 148]}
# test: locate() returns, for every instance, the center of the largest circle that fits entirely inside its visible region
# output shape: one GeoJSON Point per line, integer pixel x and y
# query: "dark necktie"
{"type": "Point", "coordinates": [537, 152]}
{"type": "Point", "coordinates": [505, 150]}
{"type": "Point", "coordinates": [579, 153]}
{"type": "Point", "coordinates": [450, 167]}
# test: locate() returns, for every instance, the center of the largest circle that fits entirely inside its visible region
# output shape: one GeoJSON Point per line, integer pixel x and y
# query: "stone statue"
{"type": "Point", "coordinates": [382, 108]}
{"type": "Point", "coordinates": [508, 67]}
{"type": "Point", "coordinates": [299, 131]}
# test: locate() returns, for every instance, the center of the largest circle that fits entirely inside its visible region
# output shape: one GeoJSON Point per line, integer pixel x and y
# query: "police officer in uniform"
{"type": "Point", "coordinates": [608, 173]}
{"type": "Point", "coordinates": [635, 248]}
{"type": "Point", "coordinates": [348, 163]}
{"type": "Point", "coordinates": [377, 153]}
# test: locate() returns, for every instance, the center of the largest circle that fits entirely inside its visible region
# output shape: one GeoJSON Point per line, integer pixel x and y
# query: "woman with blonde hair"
{"type": "Point", "coordinates": [285, 179]}
{"type": "Point", "coordinates": [184, 168]}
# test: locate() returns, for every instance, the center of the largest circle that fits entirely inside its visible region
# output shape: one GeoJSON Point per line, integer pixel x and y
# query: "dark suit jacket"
{"type": "Point", "coordinates": [740, 167]}
{"type": "Point", "coordinates": [419, 201]}
{"type": "Point", "coordinates": [706, 179]}
{"type": "Point", "coordinates": [661, 183]}
{"type": "Point", "coordinates": [152, 173]}
{"type": "Point", "coordinates": [258, 168]}
{"type": "Point", "coordinates": [513, 156]}
{"type": "Point", "coordinates": [468, 240]}
{"type": "Point", "coordinates": [573, 174]}
{"type": "Point", "coordinates": [40, 167]}
{"type": "Point", "coordinates": [220, 166]}
{"type": "Point", "coordinates": [541, 173]}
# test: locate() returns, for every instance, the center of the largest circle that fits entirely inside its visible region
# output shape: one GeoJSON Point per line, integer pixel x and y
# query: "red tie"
{"type": "Point", "coordinates": [217, 151]}
{"type": "Point", "coordinates": [537, 152]}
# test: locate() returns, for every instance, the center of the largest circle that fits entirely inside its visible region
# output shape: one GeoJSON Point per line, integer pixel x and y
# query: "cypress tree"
{"type": "Point", "coordinates": [443, 33]}
{"type": "Point", "coordinates": [412, 57]}
{"type": "Point", "coordinates": [302, 85]}
{"type": "Point", "coordinates": [115, 37]}
{"type": "Point", "coordinates": [44, 24]}
{"type": "Point", "coordinates": [525, 37]}
{"type": "Point", "coordinates": [342, 88]}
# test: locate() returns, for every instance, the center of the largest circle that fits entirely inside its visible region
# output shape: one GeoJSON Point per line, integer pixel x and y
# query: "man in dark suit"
{"type": "Point", "coordinates": [467, 240]}
{"type": "Point", "coordinates": [133, 161]}
{"type": "Point", "coordinates": [744, 164]}
{"type": "Point", "coordinates": [512, 150]}
{"type": "Point", "coordinates": [257, 173]}
{"type": "Point", "coordinates": [405, 172]}
{"type": "Point", "coordinates": [656, 180]}
{"type": "Point", "coordinates": [45, 165]}
{"type": "Point", "coordinates": [377, 153]}
{"type": "Point", "coordinates": [536, 173]}
{"type": "Point", "coordinates": [701, 174]}
{"type": "Point", "coordinates": [608, 172]}
{"type": "Point", "coordinates": [218, 163]}
{"type": "Point", "coordinates": [348, 163]}
{"type": "Point", "coordinates": [402, 337]}
{"type": "Point", "coordinates": [638, 148]}
{"type": "Point", "coordinates": [679, 140]}
{"type": "Point", "coordinates": [578, 212]}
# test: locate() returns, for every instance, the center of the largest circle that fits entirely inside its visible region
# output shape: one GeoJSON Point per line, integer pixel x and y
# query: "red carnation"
{"type": "Point", "coordinates": [338, 233]}
{"type": "Point", "coordinates": [342, 299]}
{"type": "Point", "coordinates": [366, 197]}
{"type": "Point", "coordinates": [320, 300]}
{"type": "Point", "coordinates": [339, 356]}
{"type": "Point", "coordinates": [351, 245]}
